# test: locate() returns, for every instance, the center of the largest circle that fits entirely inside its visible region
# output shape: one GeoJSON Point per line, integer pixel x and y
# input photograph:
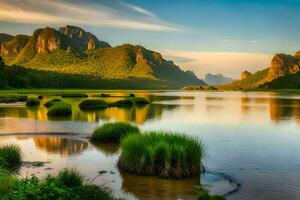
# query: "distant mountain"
{"type": "Point", "coordinates": [284, 72]}
{"type": "Point", "coordinates": [72, 50]}
{"type": "Point", "coordinates": [216, 79]}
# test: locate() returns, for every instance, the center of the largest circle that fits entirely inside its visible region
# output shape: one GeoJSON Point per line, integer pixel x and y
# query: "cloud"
{"type": "Point", "coordinates": [228, 63]}
{"type": "Point", "coordinates": [111, 14]}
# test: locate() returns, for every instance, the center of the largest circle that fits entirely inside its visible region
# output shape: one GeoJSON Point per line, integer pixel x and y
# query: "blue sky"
{"type": "Point", "coordinates": [224, 36]}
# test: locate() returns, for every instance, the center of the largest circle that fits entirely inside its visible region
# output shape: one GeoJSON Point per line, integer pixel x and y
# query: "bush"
{"type": "Point", "coordinates": [10, 156]}
{"type": "Point", "coordinates": [123, 103]}
{"type": "Point", "coordinates": [40, 97]}
{"type": "Point", "coordinates": [93, 104]}
{"type": "Point", "coordinates": [73, 95]}
{"type": "Point", "coordinates": [104, 95]}
{"type": "Point", "coordinates": [6, 184]}
{"type": "Point", "coordinates": [51, 102]}
{"type": "Point", "coordinates": [113, 132]}
{"type": "Point", "coordinates": [61, 109]}
{"type": "Point", "coordinates": [33, 102]}
{"type": "Point", "coordinates": [162, 154]}
{"type": "Point", "coordinates": [131, 95]}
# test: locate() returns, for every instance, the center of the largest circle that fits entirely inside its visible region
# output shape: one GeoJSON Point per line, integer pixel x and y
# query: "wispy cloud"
{"type": "Point", "coordinates": [112, 14]}
{"type": "Point", "coordinates": [228, 63]}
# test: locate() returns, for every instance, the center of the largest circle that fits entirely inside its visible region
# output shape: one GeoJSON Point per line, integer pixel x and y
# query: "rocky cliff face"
{"type": "Point", "coordinates": [245, 75]}
{"type": "Point", "coordinates": [46, 40]}
{"type": "Point", "coordinates": [282, 65]}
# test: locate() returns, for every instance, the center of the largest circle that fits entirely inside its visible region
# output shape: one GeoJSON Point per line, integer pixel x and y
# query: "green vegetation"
{"type": "Point", "coordinates": [206, 87]}
{"type": "Point", "coordinates": [68, 185]}
{"type": "Point", "coordinates": [12, 99]}
{"type": "Point", "coordinates": [202, 194]}
{"type": "Point", "coordinates": [113, 132]}
{"type": "Point", "coordinates": [93, 104]}
{"type": "Point", "coordinates": [60, 109]}
{"type": "Point", "coordinates": [33, 102]}
{"type": "Point", "coordinates": [164, 154]}
{"type": "Point", "coordinates": [10, 156]}
{"type": "Point", "coordinates": [123, 103]}
{"type": "Point", "coordinates": [74, 95]}
{"type": "Point", "coordinates": [104, 95]}
{"type": "Point", "coordinates": [252, 82]}
{"type": "Point", "coordinates": [51, 102]}
{"type": "Point", "coordinates": [290, 81]}
{"type": "Point", "coordinates": [137, 100]}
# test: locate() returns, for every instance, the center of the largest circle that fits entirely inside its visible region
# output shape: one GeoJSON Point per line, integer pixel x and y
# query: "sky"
{"type": "Point", "coordinates": [206, 36]}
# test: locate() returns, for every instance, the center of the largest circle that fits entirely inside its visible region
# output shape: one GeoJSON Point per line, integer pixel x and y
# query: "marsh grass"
{"type": "Point", "coordinates": [93, 104]}
{"type": "Point", "coordinates": [70, 178]}
{"type": "Point", "coordinates": [10, 156]}
{"type": "Point", "coordinates": [68, 184]}
{"type": "Point", "coordinates": [33, 102]}
{"type": "Point", "coordinates": [163, 154]}
{"type": "Point", "coordinates": [123, 103]}
{"type": "Point", "coordinates": [51, 102]}
{"type": "Point", "coordinates": [202, 194]}
{"type": "Point", "coordinates": [74, 95]}
{"type": "Point", "coordinates": [138, 100]}
{"type": "Point", "coordinates": [60, 109]}
{"type": "Point", "coordinates": [113, 132]}
{"type": "Point", "coordinates": [12, 99]}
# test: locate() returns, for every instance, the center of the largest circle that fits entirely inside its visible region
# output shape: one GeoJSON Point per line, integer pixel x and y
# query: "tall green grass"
{"type": "Point", "coordinates": [70, 177]}
{"type": "Point", "coordinates": [163, 154]}
{"type": "Point", "coordinates": [113, 132]}
{"type": "Point", "coordinates": [33, 102]}
{"type": "Point", "coordinates": [93, 104]}
{"type": "Point", "coordinates": [51, 102]}
{"type": "Point", "coordinates": [6, 183]}
{"type": "Point", "coordinates": [60, 109]}
{"type": "Point", "coordinates": [10, 156]}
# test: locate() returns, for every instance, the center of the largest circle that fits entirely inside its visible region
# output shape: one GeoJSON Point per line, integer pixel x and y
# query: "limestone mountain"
{"type": "Point", "coordinates": [283, 72]}
{"type": "Point", "coordinates": [72, 50]}
{"type": "Point", "coordinates": [216, 79]}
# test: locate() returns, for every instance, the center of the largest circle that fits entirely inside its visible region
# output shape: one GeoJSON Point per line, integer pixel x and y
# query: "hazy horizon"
{"type": "Point", "coordinates": [205, 36]}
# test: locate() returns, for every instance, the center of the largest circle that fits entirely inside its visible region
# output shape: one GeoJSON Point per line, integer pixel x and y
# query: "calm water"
{"type": "Point", "coordinates": [253, 137]}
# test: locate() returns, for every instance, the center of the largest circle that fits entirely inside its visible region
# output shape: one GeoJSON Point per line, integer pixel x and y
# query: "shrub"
{"type": "Point", "coordinates": [33, 102]}
{"type": "Point", "coordinates": [51, 102]}
{"type": "Point", "coordinates": [70, 178]}
{"type": "Point", "coordinates": [73, 95]}
{"type": "Point", "coordinates": [62, 109]}
{"type": "Point", "coordinates": [163, 154]}
{"type": "Point", "coordinates": [123, 103]}
{"type": "Point", "coordinates": [10, 156]}
{"type": "Point", "coordinates": [6, 184]}
{"type": "Point", "coordinates": [104, 95]}
{"type": "Point", "coordinates": [131, 95]}
{"type": "Point", "coordinates": [113, 132]}
{"type": "Point", "coordinates": [93, 104]}
{"type": "Point", "coordinates": [40, 97]}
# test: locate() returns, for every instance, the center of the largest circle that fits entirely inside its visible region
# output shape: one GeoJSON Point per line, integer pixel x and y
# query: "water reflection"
{"type": "Point", "coordinates": [146, 188]}
{"type": "Point", "coordinates": [61, 146]}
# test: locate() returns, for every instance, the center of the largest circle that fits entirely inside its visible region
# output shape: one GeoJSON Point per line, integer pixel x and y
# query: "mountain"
{"type": "Point", "coordinates": [71, 50]}
{"type": "Point", "coordinates": [283, 72]}
{"type": "Point", "coordinates": [216, 79]}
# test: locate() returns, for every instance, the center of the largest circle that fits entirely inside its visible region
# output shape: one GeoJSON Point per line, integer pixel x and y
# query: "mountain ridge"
{"type": "Point", "coordinates": [72, 50]}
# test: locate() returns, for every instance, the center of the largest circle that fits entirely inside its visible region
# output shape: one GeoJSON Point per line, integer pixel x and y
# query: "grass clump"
{"type": "Point", "coordinates": [93, 104]}
{"type": "Point", "coordinates": [67, 185]}
{"type": "Point", "coordinates": [13, 99]}
{"type": "Point", "coordinates": [113, 132]}
{"type": "Point", "coordinates": [51, 102]}
{"type": "Point", "coordinates": [33, 102]}
{"type": "Point", "coordinates": [162, 154]}
{"type": "Point", "coordinates": [202, 194]}
{"type": "Point", "coordinates": [10, 156]}
{"type": "Point", "coordinates": [123, 103]}
{"type": "Point", "coordinates": [138, 100]}
{"type": "Point", "coordinates": [60, 109]}
{"type": "Point", "coordinates": [74, 95]}
{"type": "Point", "coordinates": [104, 95]}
